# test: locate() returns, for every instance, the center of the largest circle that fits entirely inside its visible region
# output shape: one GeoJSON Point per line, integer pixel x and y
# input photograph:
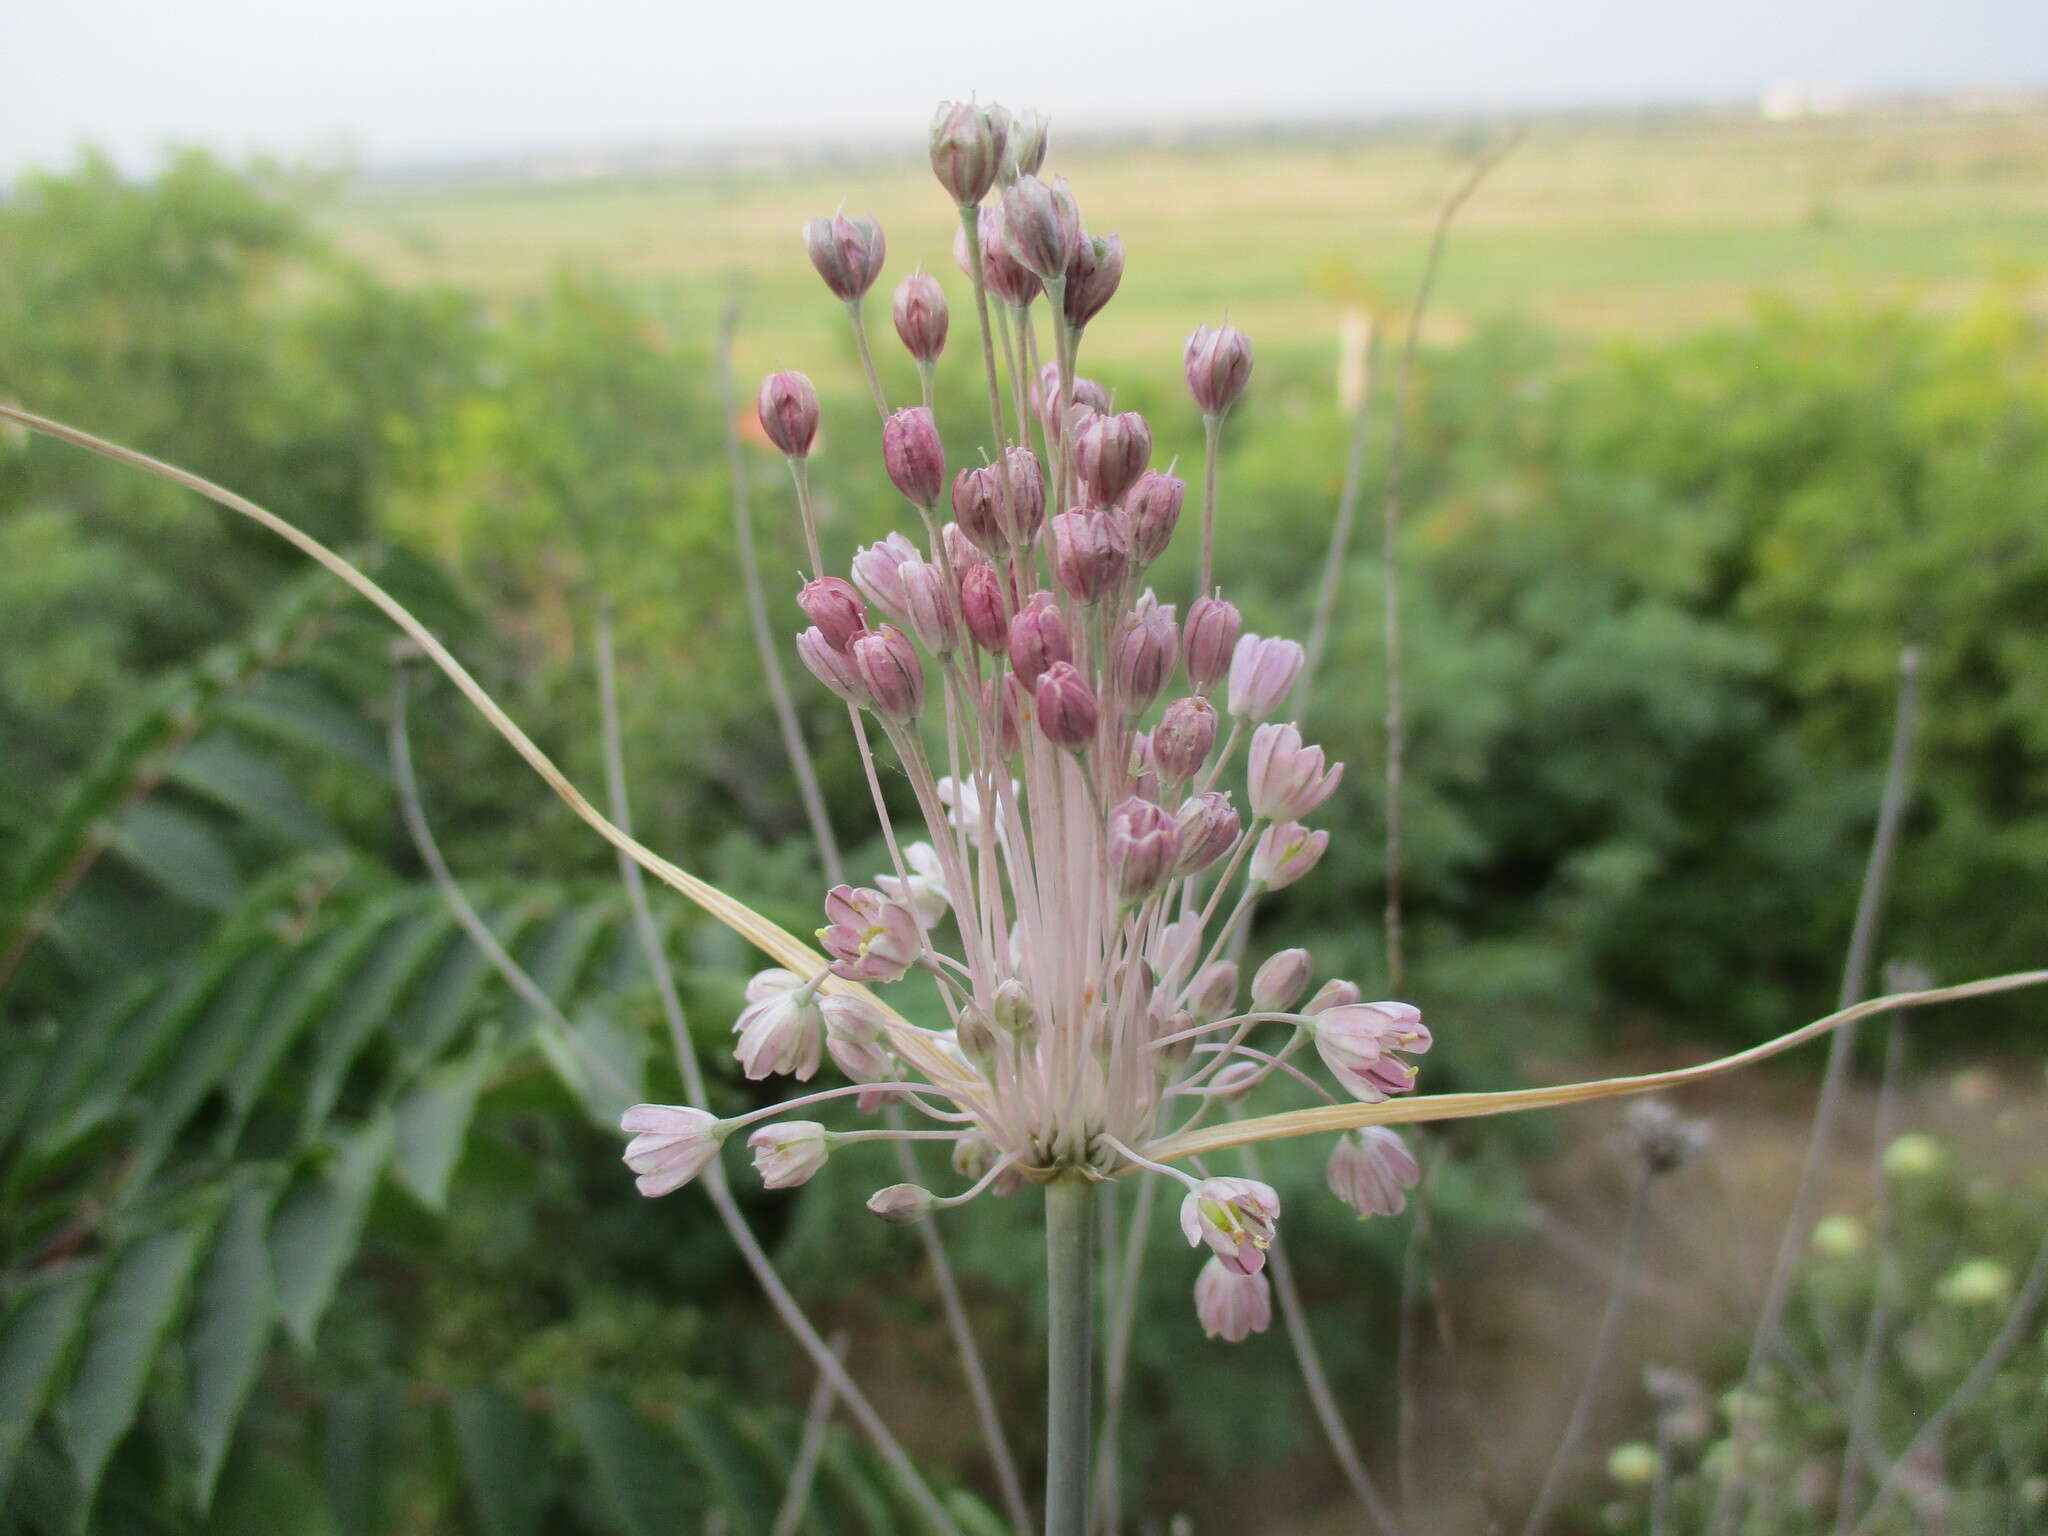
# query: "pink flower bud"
{"type": "Point", "coordinates": [1281, 981]}
{"type": "Point", "coordinates": [1358, 1042]}
{"type": "Point", "coordinates": [920, 316]}
{"type": "Point", "coordinates": [1029, 133]}
{"type": "Point", "coordinates": [1089, 555]}
{"type": "Point", "coordinates": [968, 143]}
{"type": "Point", "coordinates": [890, 671]}
{"type": "Point", "coordinates": [1093, 274]}
{"type": "Point", "coordinates": [1066, 706]}
{"type": "Point", "coordinates": [960, 549]}
{"type": "Point", "coordinates": [1041, 225]}
{"type": "Point", "coordinates": [1218, 364]}
{"type": "Point", "coordinates": [1026, 510]}
{"type": "Point", "coordinates": [1286, 779]}
{"type": "Point", "coordinates": [913, 457]}
{"type": "Point", "coordinates": [1045, 397]}
{"type": "Point", "coordinates": [1209, 638]}
{"type": "Point", "coordinates": [1142, 843]}
{"type": "Point", "coordinates": [781, 1029]}
{"type": "Point", "coordinates": [1261, 674]}
{"type": "Point", "coordinates": [902, 1205]}
{"type": "Point", "coordinates": [831, 603]}
{"type": "Point", "coordinates": [1110, 452]}
{"type": "Point", "coordinates": [1214, 993]}
{"type": "Point", "coordinates": [1184, 738]}
{"type": "Point", "coordinates": [789, 1154]}
{"type": "Point", "coordinates": [1151, 509]}
{"type": "Point", "coordinates": [1332, 994]}
{"type": "Point", "coordinates": [1008, 279]}
{"type": "Point", "coordinates": [981, 606]}
{"type": "Point", "coordinates": [671, 1144]}
{"type": "Point", "coordinates": [856, 1037]}
{"type": "Point", "coordinates": [976, 503]}
{"type": "Point", "coordinates": [788, 408]}
{"type": "Point", "coordinates": [928, 606]}
{"type": "Point", "coordinates": [1038, 638]}
{"type": "Point", "coordinates": [847, 252]}
{"type": "Point", "coordinates": [1146, 647]}
{"type": "Point", "coordinates": [832, 666]}
{"type": "Point", "coordinates": [876, 570]}
{"type": "Point", "coordinates": [1208, 830]}
{"type": "Point", "coordinates": [1231, 1306]}
{"type": "Point", "coordinates": [868, 936]}
{"type": "Point", "coordinates": [1285, 853]}
{"type": "Point", "coordinates": [1235, 1217]}
{"type": "Point", "coordinates": [1371, 1170]}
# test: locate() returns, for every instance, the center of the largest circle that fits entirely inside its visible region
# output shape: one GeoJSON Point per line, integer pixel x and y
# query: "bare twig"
{"type": "Point", "coordinates": [1596, 1364]}
{"type": "Point", "coordinates": [1340, 528]}
{"type": "Point", "coordinates": [1484, 1482]}
{"type": "Point", "coordinates": [1390, 528]}
{"type": "Point", "coordinates": [1834, 1078]}
{"type": "Point", "coordinates": [1407, 1414]}
{"type": "Point", "coordinates": [1863, 1394]}
{"type": "Point", "coordinates": [796, 1493]}
{"type": "Point", "coordinates": [1317, 1381]}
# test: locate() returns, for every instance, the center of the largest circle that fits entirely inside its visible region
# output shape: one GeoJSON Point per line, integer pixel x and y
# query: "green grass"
{"type": "Point", "coordinates": [1595, 227]}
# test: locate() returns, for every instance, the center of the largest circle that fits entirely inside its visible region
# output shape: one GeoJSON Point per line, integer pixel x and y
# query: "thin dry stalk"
{"type": "Point", "coordinates": [1596, 1363]}
{"type": "Point", "coordinates": [1876, 1332]}
{"type": "Point", "coordinates": [1317, 1381]}
{"type": "Point", "coordinates": [1340, 529]}
{"type": "Point", "coordinates": [796, 1494]}
{"type": "Point", "coordinates": [1390, 529]}
{"type": "Point", "coordinates": [1834, 1078]}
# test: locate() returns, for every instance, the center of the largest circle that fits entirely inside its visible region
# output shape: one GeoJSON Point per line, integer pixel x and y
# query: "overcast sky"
{"type": "Point", "coordinates": [399, 81]}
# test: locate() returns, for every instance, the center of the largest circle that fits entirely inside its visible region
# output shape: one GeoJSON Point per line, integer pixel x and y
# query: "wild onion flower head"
{"type": "Point", "coordinates": [1104, 789]}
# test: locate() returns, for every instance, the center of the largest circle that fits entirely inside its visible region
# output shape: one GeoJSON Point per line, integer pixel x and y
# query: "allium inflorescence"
{"type": "Point", "coordinates": [1085, 872]}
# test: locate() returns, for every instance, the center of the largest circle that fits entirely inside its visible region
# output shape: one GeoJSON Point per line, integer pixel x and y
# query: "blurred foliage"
{"type": "Point", "coordinates": [1655, 600]}
{"type": "Point", "coordinates": [1947, 1265]}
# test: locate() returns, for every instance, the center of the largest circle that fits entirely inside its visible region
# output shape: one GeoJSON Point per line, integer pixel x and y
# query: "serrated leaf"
{"type": "Point", "coordinates": [234, 1308]}
{"type": "Point", "coordinates": [229, 773]}
{"type": "Point", "coordinates": [82, 1044]}
{"type": "Point", "coordinates": [205, 1053]}
{"type": "Point", "coordinates": [432, 1123]}
{"type": "Point", "coordinates": [143, 1039]}
{"type": "Point", "coordinates": [638, 1470]}
{"type": "Point", "coordinates": [438, 1006]}
{"type": "Point", "coordinates": [371, 995]}
{"type": "Point", "coordinates": [180, 853]}
{"type": "Point", "coordinates": [134, 1309]}
{"type": "Point", "coordinates": [297, 710]}
{"type": "Point", "coordinates": [319, 1222]}
{"type": "Point", "coordinates": [503, 1450]}
{"type": "Point", "coordinates": [33, 1340]}
{"type": "Point", "coordinates": [314, 975]}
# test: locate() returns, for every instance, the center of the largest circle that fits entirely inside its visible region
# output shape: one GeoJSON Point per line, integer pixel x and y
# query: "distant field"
{"type": "Point", "coordinates": [1592, 226]}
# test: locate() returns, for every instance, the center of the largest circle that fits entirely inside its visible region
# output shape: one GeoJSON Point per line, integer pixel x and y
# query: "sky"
{"type": "Point", "coordinates": [384, 83]}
